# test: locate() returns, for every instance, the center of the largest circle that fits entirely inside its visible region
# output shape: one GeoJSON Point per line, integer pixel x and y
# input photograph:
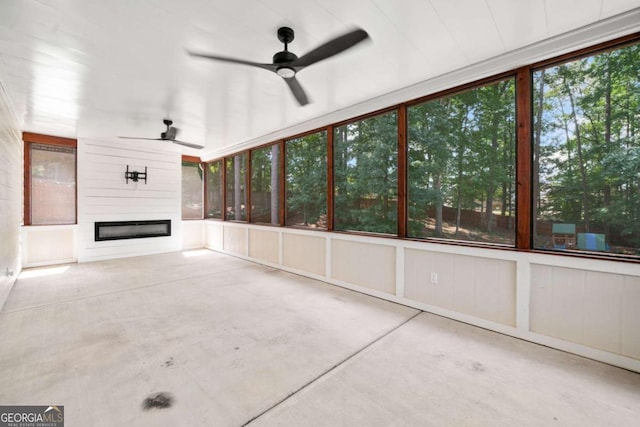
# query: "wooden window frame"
{"type": "Point", "coordinates": [281, 182]}
{"type": "Point", "coordinates": [206, 188]}
{"type": "Point", "coordinates": [197, 161]}
{"type": "Point", "coordinates": [401, 144]}
{"type": "Point", "coordinates": [283, 199]}
{"type": "Point", "coordinates": [523, 156]}
{"type": "Point", "coordinates": [247, 186]}
{"type": "Point", "coordinates": [523, 170]}
{"type": "Point", "coordinates": [30, 138]}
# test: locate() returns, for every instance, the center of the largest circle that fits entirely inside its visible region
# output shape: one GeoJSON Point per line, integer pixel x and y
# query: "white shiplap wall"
{"type": "Point", "coordinates": [104, 195]}
{"type": "Point", "coordinates": [10, 196]}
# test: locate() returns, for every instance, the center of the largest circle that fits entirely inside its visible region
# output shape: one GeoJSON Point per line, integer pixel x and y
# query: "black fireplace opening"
{"type": "Point", "coordinates": [117, 230]}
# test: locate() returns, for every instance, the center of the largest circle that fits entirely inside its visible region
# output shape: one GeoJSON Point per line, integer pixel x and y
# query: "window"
{"type": "Point", "coordinates": [236, 178]}
{"type": "Point", "coordinates": [214, 189]}
{"type": "Point", "coordinates": [192, 190]}
{"type": "Point", "coordinates": [50, 178]}
{"type": "Point", "coordinates": [586, 183]}
{"type": "Point", "coordinates": [576, 163]}
{"type": "Point", "coordinates": [461, 166]}
{"type": "Point", "coordinates": [306, 186]}
{"type": "Point", "coordinates": [265, 185]}
{"type": "Point", "coordinates": [365, 175]}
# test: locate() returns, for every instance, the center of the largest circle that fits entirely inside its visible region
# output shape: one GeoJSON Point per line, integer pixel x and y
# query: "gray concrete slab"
{"type": "Point", "coordinates": [434, 371]}
{"type": "Point", "coordinates": [235, 342]}
{"type": "Point", "coordinates": [225, 344]}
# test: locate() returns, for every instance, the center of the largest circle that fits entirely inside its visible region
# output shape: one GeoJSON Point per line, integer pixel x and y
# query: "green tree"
{"type": "Point", "coordinates": [306, 175]}
{"type": "Point", "coordinates": [366, 176]}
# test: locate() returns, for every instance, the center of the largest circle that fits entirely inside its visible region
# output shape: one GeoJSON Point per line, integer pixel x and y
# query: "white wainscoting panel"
{"type": "Point", "coordinates": [192, 234]}
{"type": "Point", "coordinates": [482, 287]}
{"type": "Point", "coordinates": [365, 264]}
{"type": "Point", "coordinates": [592, 308]}
{"type": "Point", "coordinates": [304, 253]}
{"type": "Point", "coordinates": [214, 235]}
{"type": "Point", "coordinates": [263, 245]}
{"type": "Point", "coordinates": [235, 238]}
{"type": "Point", "coordinates": [104, 195]}
{"type": "Point", "coordinates": [49, 244]}
{"type": "Point", "coordinates": [583, 306]}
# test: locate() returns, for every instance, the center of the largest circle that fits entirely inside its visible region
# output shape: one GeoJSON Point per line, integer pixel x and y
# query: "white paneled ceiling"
{"type": "Point", "coordinates": [99, 69]}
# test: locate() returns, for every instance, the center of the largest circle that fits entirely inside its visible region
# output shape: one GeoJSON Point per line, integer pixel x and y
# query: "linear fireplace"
{"type": "Point", "coordinates": [116, 230]}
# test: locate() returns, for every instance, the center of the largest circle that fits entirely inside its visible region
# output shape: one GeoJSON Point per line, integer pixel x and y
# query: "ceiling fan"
{"type": "Point", "coordinates": [168, 135]}
{"type": "Point", "coordinates": [287, 64]}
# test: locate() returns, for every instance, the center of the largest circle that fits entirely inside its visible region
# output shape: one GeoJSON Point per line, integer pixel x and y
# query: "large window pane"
{"type": "Point", "coordinates": [366, 175]}
{"type": "Point", "coordinates": [306, 171]}
{"type": "Point", "coordinates": [236, 188]}
{"type": "Point", "coordinates": [53, 184]}
{"type": "Point", "coordinates": [587, 154]}
{"type": "Point", "coordinates": [265, 185]}
{"type": "Point", "coordinates": [214, 189]}
{"type": "Point", "coordinates": [191, 190]}
{"type": "Point", "coordinates": [461, 166]}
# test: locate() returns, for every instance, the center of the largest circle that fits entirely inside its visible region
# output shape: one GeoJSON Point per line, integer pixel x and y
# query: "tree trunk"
{"type": "Point", "coordinates": [583, 171]}
{"type": "Point", "coordinates": [461, 150]}
{"type": "Point", "coordinates": [607, 142]}
{"type": "Point", "coordinates": [437, 185]}
{"type": "Point", "coordinates": [537, 137]}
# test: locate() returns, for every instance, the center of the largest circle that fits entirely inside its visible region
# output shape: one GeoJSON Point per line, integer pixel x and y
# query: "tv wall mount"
{"type": "Point", "coordinates": [135, 176]}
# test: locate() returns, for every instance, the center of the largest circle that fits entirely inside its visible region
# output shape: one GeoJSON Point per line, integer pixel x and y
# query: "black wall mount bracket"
{"type": "Point", "coordinates": [135, 176]}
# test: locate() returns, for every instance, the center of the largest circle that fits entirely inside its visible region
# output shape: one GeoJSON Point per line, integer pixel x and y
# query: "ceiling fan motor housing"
{"type": "Point", "coordinates": [285, 35]}
{"type": "Point", "coordinates": [284, 56]}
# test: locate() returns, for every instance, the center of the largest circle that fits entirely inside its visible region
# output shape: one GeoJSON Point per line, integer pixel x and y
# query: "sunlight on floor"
{"type": "Point", "coordinates": [41, 272]}
{"type": "Point", "coordinates": [196, 252]}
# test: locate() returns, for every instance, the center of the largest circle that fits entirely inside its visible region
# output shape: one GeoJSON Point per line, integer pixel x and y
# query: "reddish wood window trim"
{"type": "Point", "coordinates": [282, 184]}
{"type": "Point", "coordinates": [224, 188]}
{"type": "Point", "coordinates": [524, 152]}
{"type": "Point", "coordinates": [196, 160]}
{"type": "Point", "coordinates": [330, 178]}
{"type": "Point", "coordinates": [37, 138]}
{"type": "Point", "coordinates": [523, 159]}
{"type": "Point", "coordinates": [247, 186]}
{"type": "Point", "coordinates": [191, 159]}
{"type": "Point", "coordinates": [402, 171]}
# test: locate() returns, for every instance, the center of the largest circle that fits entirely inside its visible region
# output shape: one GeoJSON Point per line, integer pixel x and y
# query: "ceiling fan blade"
{"type": "Point", "coordinates": [187, 144]}
{"type": "Point", "coordinates": [136, 137]}
{"type": "Point", "coordinates": [269, 67]}
{"type": "Point", "coordinates": [297, 90]}
{"type": "Point", "coordinates": [332, 47]}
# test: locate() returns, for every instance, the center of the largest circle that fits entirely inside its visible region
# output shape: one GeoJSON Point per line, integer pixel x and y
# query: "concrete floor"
{"type": "Point", "coordinates": [235, 343]}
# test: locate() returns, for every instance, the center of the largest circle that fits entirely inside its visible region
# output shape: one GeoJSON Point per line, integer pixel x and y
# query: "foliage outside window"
{"type": "Point", "coordinates": [461, 166]}
{"type": "Point", "coordinates": [366, 175]}
{"type": "Point", "coordinates": [192, 197]}
{"type": "Point", "coordinates": [53, 184]}
{"type": "Point", "coordinates": [236, 176]}
{"type": "Point", "coordinates": [265, 185]}
{"type": "Point", "coordinates": [306, 185]}
{"type": "Point", "coordinates": [586, 168]}
{"type": "Point", "coordinates": [214, 189]}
